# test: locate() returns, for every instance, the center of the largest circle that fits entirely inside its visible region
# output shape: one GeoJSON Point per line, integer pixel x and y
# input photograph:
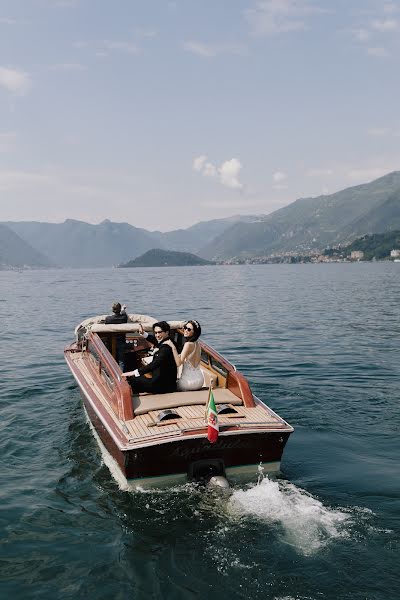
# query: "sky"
{"type": "Point", "coordinates": [166, 113]}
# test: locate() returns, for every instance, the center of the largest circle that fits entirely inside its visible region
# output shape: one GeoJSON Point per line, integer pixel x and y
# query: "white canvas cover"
{"type": "Point", "coordinates": [97, 324]}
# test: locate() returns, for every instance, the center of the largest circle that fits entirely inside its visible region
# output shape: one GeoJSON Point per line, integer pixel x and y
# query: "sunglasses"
{"type": "Point", "coordinates": [188, 328]}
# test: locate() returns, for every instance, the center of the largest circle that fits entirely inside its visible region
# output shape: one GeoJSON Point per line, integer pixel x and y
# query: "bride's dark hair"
{"type": "Point", "coordinates": [196, 330]}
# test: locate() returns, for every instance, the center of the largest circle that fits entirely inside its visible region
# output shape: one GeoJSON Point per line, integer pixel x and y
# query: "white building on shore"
{"type": "Point", "coordinates": [357, 255]}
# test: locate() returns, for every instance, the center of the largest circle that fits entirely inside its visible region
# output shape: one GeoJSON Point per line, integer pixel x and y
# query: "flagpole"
{"type": "Point", "coordinates": [212, 419]}
{"type": "Point", "coordinates": [207, 403]}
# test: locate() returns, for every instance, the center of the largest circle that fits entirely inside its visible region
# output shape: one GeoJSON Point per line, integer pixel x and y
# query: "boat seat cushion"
{"type": "Point", "coordinates": [144, 403]}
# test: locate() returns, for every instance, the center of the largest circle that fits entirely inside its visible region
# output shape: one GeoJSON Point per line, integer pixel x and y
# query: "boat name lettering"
{"type": "Point", "coordinates": [221, 444]}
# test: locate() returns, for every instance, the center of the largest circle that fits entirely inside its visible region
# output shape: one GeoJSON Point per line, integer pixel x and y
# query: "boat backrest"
{"type": "Point", "coordinates": [144, 403]}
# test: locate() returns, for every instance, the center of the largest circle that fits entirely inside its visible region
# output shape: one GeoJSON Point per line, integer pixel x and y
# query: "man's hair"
{"type": "Point", "coordinates": [116, 308]}
{"type": "Point", "coordinates": [163, 325]}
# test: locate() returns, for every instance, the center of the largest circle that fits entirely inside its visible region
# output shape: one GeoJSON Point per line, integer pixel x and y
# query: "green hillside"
{"type": "Point", "coordinates": [378, 245]}
{"type": "Point", "coordinates": [314, 223]}
{"type": "Point", "coordinates": [385, 216]}
{"type": "Point", "coordinates": [166, 258]}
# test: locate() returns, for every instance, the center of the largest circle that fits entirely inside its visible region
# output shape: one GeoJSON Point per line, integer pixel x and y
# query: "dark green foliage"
{"type": "Point", "coordinates": [166, 258]}
{"type": "Point", "coordinates": [377, 245]}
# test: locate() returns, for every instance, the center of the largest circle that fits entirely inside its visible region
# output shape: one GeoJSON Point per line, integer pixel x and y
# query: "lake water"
{"type": "Point", "coordinates": [319, 343]}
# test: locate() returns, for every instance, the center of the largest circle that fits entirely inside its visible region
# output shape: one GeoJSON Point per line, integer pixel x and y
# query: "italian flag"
{"type": "Point", "coordinates": [212, 419]}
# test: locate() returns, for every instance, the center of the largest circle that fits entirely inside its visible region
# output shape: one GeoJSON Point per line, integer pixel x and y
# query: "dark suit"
{"type": "Point", "coordinates": [163, 370]}
{"type": "Point", "coordinates": [118, 319]}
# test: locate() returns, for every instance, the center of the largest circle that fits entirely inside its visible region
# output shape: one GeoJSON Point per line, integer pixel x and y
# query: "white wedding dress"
{"type": "Point", "coordinates": [191, 378]}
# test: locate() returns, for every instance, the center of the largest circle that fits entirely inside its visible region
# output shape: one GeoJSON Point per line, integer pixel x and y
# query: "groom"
{"type": "Point", "coordinates": [162, 367]}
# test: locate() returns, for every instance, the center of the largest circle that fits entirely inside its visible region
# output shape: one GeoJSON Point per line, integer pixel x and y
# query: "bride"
{"type": "Point", "coordinates": [192, 377]}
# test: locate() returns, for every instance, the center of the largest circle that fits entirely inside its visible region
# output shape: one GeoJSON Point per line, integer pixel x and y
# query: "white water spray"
{"type": "Point", "coordinates": [302, 519]}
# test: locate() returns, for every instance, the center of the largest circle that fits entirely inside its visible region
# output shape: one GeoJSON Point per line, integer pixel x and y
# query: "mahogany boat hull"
{"type": "Point", "coordinates": [235, 454]}
{"type": "Point", "coordinates": [143, 451]}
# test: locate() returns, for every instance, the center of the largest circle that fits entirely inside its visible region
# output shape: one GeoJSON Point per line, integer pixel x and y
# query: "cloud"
{"type": "Point", "coordinates": [390, 8]}
{"type": "Point", "coordinates": [68, 67]}
{"type": "Point", "coordinates": [280, 16]}
{"type": "Point", "coordinates": [145, 33]}
{"type": "Point", "coordinates": [209, 170]}
{"type": "Point", "coordinates": [65, 3]}
{"type": "Point", "coordinates": [361, 35]}
{"type": "Point", "coordinates": [379, 52]}
{"type": "Point", "coordinates": [122, 46]}
{"type": "Point", "coordinates": [227, 173]}
{"type": "Point", "coordinates": [380, 21]}
{"type": "Point", "coordinates": [71, 139]}
{"type": "Point", "coordinates": [80, 44]}
{"type": "Point", "coordinates": [198, 163]}
{"type": "Point", "coordinates": [105, 47]}
{"type": "Point", "coordinates": [15, 180]}
{"type": "Point", "coordinates": [212, 50]}
{"type": "Point", "coordinates": [369, 174]}
{"type": "Point", "coordinates": [385, 25]}
{"type": "Point", "coordinates": [7, 21]}
{"type": "Point", "coordinates": [279, 178]}
{"type": "Point", "coordinates": [54, 188]}
{"type": "Point", "coordinates": [378, 131]}
{"type": "Point", "coordinates": [7, 140]}
{"type": "Point", "coordinates": [237, 203]}
{"type": "Point", "coordinates": [14, 81]}
{"type": "Point", "coordinates": [319, 172]}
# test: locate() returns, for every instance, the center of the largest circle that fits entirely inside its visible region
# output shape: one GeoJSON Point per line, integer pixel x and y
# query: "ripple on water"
{"type": "Point", "coordinates": [318, 343]}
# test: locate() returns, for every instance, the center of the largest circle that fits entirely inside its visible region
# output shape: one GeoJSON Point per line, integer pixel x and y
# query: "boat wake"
{"type": "Point", "coordinates": [302, 520]}
{"type": "Point", "coordinates": [298, 518]}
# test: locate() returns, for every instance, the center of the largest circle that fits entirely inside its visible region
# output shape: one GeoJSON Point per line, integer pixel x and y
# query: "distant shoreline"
{"type": "Point", "coordinates": [4, 269]}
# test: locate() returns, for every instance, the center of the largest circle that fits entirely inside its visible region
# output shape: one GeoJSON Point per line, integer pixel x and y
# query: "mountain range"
{"type": "Point", "coordinates": [16, 252]}
{"type": "Point", "coordinates": [78, 244]}
{"type": "Point", "coordinates": [315, 223]}
{"type": "Point", "coordinates": [304, 225]}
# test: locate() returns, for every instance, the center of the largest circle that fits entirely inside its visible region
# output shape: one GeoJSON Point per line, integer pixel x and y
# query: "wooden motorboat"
{"type": "Point", "coordinates": [153, 439]}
